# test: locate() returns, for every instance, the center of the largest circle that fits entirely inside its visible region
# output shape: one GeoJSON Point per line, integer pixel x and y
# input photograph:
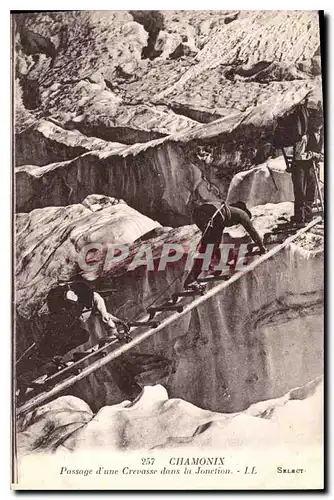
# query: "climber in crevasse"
{"type": "Point", "coordinates": [212, 218]}
{"type": "Point", "coordinates": [63, 328]}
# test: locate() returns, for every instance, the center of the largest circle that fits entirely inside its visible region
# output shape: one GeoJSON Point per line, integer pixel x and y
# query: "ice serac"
{"type": "Point", "coordinates": [101, 64]}
{"type": "Point", "coordinates": [203, 80]}
{"type": "Point", "coordinates": [162, 178]}
{"type": "Point", "coordinates": [156, 422]}
{"type": "Point", "coordinates": [266, 183]}
{"type": "Point", "coordinates": [255, 340]}
{"type": "Point", "coordinates": [284, 38]}
{"type": "Point", "coordinates": [46, 142]}
{"type": "Point", "coordinates": [49, 241]}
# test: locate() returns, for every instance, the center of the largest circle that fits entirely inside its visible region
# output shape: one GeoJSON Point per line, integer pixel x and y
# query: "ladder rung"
{"type": "Point", "coordinates": [37, 385]}
{"type": "Point", "coordinates": [107, 291]}
{"type": "Point", "coordinates": [316, 203]}
{"type": "Point", "coordinates": [152, 324]}
{"type": "Point", "coordinates": [287, 227]}
{"type": "Point", "coordinates": [252, 254]}
{"type": "Point", "coordinates": [188, 293]}
{"type": "Point", "coordinates": [219, 277]}
{"type": "Point", "coordinates": [282, 224]}
{"type": "Point", "coordinates": [291, 225]}
{"type": "Point", "coordinates": [285, 231]}
{"type": "Point", "coordinates": [283, 228]}
{"type": "Point", "coordinates": [76, 356]}
{"type": "Point", "coordinates": [169, 307]}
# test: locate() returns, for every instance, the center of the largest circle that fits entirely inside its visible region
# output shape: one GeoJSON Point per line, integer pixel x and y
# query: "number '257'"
{"type": "Point", "coordinates": [147, 461]}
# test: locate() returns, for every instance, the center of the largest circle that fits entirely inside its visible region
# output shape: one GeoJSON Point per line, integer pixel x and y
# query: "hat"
{"type": "Point", "coordinates": [314, 99]}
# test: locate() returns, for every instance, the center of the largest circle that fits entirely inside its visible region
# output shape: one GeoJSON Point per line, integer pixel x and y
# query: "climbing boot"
{"type": "Point", "coordinates": [194, 285]}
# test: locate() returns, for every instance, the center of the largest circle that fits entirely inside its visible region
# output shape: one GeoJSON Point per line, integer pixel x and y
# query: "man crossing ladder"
{"type": "Point", "coordinates": [64, 328]}
{"type": "Point", "coordinates": [212, 218]}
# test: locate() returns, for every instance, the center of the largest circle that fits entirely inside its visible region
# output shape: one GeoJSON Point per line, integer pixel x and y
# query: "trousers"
{"type": "Point", "coordinates": [213, 236]}
{"type": "Point", "coordinates": [304, 186]}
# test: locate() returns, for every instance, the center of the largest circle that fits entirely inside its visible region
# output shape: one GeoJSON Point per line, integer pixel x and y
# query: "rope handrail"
{"type": "Point", "coordinates": [44, 396]}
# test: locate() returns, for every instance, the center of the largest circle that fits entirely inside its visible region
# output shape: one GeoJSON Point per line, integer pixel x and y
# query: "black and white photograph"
{"type": "Point", "coordinates": [168, 174]}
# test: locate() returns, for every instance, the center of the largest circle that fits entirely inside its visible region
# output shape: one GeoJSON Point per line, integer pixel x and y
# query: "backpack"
{"type": "Point", "coordinates": [291, 128]}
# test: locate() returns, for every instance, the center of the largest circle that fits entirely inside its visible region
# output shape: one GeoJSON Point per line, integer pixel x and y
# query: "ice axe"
{"type": "Point", "coordinates": [318, 187]}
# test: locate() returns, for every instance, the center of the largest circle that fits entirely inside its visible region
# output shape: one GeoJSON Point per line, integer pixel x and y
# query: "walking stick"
{"type": "Point", "coordinates": [289, 164]}
{"type": "Point", "coordinates": [288, 168]}
{"type": "Point", "coordinates": [318, 188]}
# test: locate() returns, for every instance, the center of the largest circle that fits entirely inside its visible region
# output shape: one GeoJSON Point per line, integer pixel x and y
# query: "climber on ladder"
{"type": "Point", "coordinates": [64, 327]}
{"type": "Point", "coordinates": [212, 218]}
{"type": "Point", "coordinates": [302, 130]}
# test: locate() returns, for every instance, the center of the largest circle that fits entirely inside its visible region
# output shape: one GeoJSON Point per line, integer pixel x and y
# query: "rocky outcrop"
{"type": "Point", "coordinates": [155, 422]}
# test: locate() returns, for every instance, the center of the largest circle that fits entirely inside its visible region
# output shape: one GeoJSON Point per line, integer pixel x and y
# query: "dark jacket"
{"type": "Point", "coordinates": [315, 143]}
{"type": "Point", "coordinates": [309, 148]}
{"type": "Point", "coordinates": [236, 216]}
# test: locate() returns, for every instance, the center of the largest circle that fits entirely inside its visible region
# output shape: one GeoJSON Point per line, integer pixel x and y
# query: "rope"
{"type": "Point", "coordinates": [160, 295]}
{"type": "Point", "coordinates": [210, 223]}
{"type": "Point", "coordinates": [26, 352]}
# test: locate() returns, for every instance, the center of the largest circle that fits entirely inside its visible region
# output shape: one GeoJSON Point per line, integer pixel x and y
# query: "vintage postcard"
{"type": "Point", "coordinates": [168, 240]}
